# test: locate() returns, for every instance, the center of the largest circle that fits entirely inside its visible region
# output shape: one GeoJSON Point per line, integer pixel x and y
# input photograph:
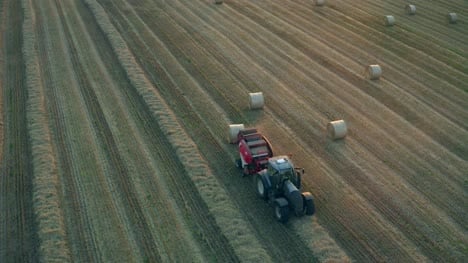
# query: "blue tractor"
{"type": "Point", "coordinates": [279, 184]}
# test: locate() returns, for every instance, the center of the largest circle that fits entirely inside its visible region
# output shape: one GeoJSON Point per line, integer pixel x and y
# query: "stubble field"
{"type": "Point", "coordinates": [114, 130]}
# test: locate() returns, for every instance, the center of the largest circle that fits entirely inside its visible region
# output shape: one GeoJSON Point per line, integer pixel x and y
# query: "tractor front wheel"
{"type": "Point", "coordinates": [261, 188]}
{"type": "Point", "coordinates": [282, 210]}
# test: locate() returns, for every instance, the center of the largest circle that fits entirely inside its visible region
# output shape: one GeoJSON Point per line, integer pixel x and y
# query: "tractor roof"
{"type": "Point", "coordinates": [281, 162]}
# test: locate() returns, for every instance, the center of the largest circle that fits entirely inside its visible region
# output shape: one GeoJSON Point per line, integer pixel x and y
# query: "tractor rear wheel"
{"type": "Point", "coordinates": [281, 210]}
{"type": "Point", "coordinates": [261, 188]}
{"type": "Point", "coordinates": [309, 206]}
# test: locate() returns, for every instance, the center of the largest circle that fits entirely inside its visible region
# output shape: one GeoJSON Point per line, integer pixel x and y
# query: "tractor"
{"type": "Point", "coordinates": [276, 179]}
{"type": "Point", "coordinates": [279, 184]}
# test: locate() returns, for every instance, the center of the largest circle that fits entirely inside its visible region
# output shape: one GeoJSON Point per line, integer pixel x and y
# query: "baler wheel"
{"type": "Point", "coordinates": [238, 163]}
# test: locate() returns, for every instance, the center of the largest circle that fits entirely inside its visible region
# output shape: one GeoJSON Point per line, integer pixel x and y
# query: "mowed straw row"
{"type": "Point", "coordinates": [227, 215]}
{"type": "Point", "coordinates": [46, 200]}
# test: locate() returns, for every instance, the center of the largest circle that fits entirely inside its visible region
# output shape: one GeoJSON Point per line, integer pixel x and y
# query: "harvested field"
{"type": "Point", "coordinates": [114, 118]}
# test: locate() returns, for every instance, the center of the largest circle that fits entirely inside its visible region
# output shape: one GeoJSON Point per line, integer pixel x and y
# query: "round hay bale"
{"type": "Point", "coordinates": [389, 20]}
{"type": "Point", "coordinates": [452, 18]}
{"type": "Point", "coordinates": [218, 2]}
{"type": "Point", "coordinates": [256, 100]}
{"type": "Point", "coordinates": [233, 131]}
{"type": "Point", "coordinates": [337, 129]}
{"type": "Point", "coordinates": [410, 9]}
{"type": "Point", "coordinates": [319, 2]}
{"type": "Point", "coordinates": [374, 71]}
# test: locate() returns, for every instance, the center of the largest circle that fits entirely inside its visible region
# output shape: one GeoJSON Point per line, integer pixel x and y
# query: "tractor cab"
{"type": "Point", "coordinates": [281, 169]}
